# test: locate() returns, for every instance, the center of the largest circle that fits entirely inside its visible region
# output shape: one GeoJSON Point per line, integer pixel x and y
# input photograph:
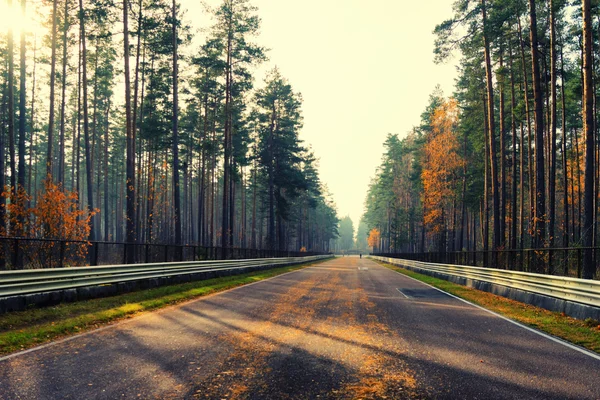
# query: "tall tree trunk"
{"type": "Point", "coordinates": [176, 189]}
{"type": "Point", "coordinates": [589, 268]}
{"type": "Point", "coordinates": [463, 202]}
{"type": "Point", "coordinates": [553, 116]}
{"type": "Point", "coordinates": [131, 223]}
{"type": "Point", "coordinates": [513, 125]}
{"type": "Point", "coordinates": [50, 137]}
{"type": "Point", "coordinates": [22, 108]}
{"type": "Point", "coordinates": [540, 185]}
{"type": "Point", "coordinates": [61, 155]}
{"type": "Point", "coordinates": [531, 168]}
{"type": "Point", "coordinates": [106, 195]}
{"type": "Point", "coordinates": [33, 146]}
{"type": "Point", "coordinates": [225, 228]}
{"type": "Point", "coordinates": [485, 220]}
{"type": "Point", "coordinates": [566, 238]}
{"type": "Point", "coordinates": [202, 176]}
{"type": "Point", "coordinates": [271, 172]}
{"type": "Point", "coordinates": [2, 166]}
{"type": "Point", "coordinates": [253, 240]}
{"type": "Point", "coordinates": [521, 187]}
{"type": "Point", "coordinates": [502, 152]}
{"type": "Point", "coordinates": [86, 125]}
{"type": "Point", "coordinates": [11, 109]}
{"type": "Point", "coordinates": [497, 237]}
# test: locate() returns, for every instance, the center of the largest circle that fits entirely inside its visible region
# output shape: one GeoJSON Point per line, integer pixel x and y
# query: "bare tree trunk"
{"type": "Point", "coordinates": [540, 189]}
{"type": "Point", "coordinates": [33, 146]}
{"type": "Point", "coordinates": [566, 238]}
{"type": "Point", "coordinates": [176, 192]}
{"type": "Point", "coordinates": [2, 166]}
{"type": "Point", "coordinates": [86, 127]}
{"type": "Point", "coordinates": [253, 241]}
{"type": "Point", "coordinates": [11, 109]}
{"type": "Point", "coordinates": [513, 207]}
{"type": "Point", "coordinates": [485, 220]}
{"type": "Point", "coordinates": [553, 116]}
{"type": "Point", "coordinates": [150, 198]}
{"type": "Point", "coordinates": [531, 168]}
{"type": "Point", "coordinates": [22, 108]}
{"type": "Point", "coordinates": [61, 155]}
{"type": "Point", "coordinates": [497, 237]}
{"type": "Point", "coordinates": [589, 268]}
{"type": "Point", "coordinates": [131, 223]}
{"type": "Point", "coordinates": [50, 137]}
{"type": "Point", "coordinates": [225, 228]}
{"type": "Point", "coordinates": [502, 151]}
{"type": "Point", "coordinates": [271, 172]}
{"type": "Point", "coordinates": [106, 196]}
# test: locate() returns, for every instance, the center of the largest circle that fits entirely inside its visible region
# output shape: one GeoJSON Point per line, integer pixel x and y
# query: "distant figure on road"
{"type": "Point", "coordinates": [360, 255]}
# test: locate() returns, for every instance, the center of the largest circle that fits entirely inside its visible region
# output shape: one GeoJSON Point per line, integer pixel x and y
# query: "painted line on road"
{"type": "Point", "coordinates": [403, 294]}
{"type": "Point", "coordinates": [134, 318]}
{"type": "Point", "coordinates": [572, 346]}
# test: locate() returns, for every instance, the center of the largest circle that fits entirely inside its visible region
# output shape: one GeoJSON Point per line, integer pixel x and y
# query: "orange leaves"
{"type": "Point", "coordinates": [55, 216]}
{"type": "Point", "coordinates": [374, 237]}
{"type": "Point", "coordinates": [16, 211]}
{"type": "Point", "coordinates": [442, 163]}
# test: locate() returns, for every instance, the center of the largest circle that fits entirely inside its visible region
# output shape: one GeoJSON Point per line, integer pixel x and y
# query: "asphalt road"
{"type": "Point", "coordinates": [347, 328]}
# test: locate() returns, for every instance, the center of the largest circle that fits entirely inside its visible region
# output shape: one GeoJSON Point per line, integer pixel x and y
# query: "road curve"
{"type": "Point", "coordinates": [343, 329]}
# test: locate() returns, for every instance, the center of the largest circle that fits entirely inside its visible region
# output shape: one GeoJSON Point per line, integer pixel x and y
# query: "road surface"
{"type": "Point", "coordinates": [343, 329]}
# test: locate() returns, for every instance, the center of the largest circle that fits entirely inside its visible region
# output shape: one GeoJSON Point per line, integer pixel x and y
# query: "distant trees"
{"type": "Point", "coordinates": [346, 230]}
{"type": "Point", "coordinates": [189, 152]}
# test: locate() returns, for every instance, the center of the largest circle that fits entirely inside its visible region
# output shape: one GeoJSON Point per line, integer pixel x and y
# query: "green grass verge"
{"type": "Point", "coordinates": [583, 333]}
{"type": "Point", "coordinates": [25, 329]}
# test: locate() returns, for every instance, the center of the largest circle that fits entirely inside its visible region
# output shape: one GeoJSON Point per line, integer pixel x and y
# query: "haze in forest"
{"type": "Point", "coordinates": [365, 69]}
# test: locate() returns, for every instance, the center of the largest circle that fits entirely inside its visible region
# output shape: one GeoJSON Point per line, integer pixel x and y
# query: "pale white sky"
{"type": "Point", "coordinates": [365, 69]}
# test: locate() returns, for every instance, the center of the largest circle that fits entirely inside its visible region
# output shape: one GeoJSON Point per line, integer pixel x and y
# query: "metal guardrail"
{"type": "Point", "coordinates": [22, 282]}
{"type": "Point", "coordinates": [572, 289]}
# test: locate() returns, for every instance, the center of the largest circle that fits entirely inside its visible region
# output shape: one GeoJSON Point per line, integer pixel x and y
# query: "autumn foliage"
{"type": "Point", "coordinates": [442, 164]}
{"type": "Point", "coordinates": [56, 216]}
{"type": "Point", "coordinates": [374, 237]}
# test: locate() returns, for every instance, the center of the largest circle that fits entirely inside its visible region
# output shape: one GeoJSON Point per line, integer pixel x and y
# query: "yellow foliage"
{"type": "Point", "coordinates": [441, 165]}
{"type": "Point", "coordinates": [55, 216]}
{"type": "Point", "coordinates": [374, 237]}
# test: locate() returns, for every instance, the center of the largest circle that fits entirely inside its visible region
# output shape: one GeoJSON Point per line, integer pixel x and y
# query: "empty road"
{"type": "Point", "coordinates": [346, 328]}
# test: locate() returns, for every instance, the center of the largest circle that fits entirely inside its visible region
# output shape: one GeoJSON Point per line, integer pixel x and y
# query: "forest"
{"type": "Point", "coordinates": [509, 161]}
{"type": "Point", "coordinates": [118, 124]}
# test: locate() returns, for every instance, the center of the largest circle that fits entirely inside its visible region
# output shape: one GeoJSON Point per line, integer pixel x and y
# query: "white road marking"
{"type": "Point", "coordinates": [553, 338]}
{"type": "Point", "coordinates": [402, 293]}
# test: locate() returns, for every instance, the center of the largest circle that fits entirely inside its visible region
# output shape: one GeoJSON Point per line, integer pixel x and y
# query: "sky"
{"type": "Point", "coordinates": [364, 68]}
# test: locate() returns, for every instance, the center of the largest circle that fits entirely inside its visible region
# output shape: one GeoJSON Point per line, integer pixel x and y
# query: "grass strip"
{"type": "Point", "coordinates": [583, 333]}
{"type": "Point", "coordinates": [25, 329]}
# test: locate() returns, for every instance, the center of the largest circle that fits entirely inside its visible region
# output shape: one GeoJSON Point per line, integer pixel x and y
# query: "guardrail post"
{"type": "Point", "coordinates": [579, 263]}
{"type": "Point", "coordinates": [94, 254]}
{"type": "Point", "coordinates": [61, 254]}
{"type": "Point", "coordinates": [2, 255]}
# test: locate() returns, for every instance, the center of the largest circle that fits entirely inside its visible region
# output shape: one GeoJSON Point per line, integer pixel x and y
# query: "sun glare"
{"type": "Point", "coordinates": [12, 18]}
